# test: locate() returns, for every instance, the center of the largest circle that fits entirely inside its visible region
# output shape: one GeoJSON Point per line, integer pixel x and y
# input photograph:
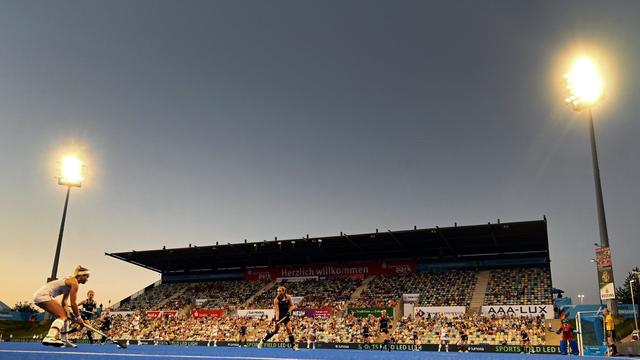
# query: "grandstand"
{"type": "Point", "coordinates": [519, 286]}
{"type": "Point", "coordinates": [482, 278]}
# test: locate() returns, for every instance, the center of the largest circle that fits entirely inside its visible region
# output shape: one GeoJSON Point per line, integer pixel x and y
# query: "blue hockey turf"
{"type": "Point", "coordinates": [35, 351]}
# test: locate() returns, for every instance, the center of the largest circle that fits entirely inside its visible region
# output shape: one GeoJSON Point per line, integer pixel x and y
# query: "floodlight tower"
{"type": "Point", "coordinates": [70, 176]}
{"type": "Point", "coordinates": [586, 90]}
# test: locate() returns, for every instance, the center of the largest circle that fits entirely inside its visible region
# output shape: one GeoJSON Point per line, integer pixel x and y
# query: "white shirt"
{"type": "Point", "coordinates": [55, 288]}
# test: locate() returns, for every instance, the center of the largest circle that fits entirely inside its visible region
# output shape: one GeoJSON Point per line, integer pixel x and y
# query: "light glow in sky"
{"type": "Point", "coordinates": [584, 83]}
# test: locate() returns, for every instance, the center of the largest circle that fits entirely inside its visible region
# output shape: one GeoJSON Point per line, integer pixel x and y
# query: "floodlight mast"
{"type": "Point", "coordinates": [586, 90]}
{"type": "Point", "coordinates": [71, 176]}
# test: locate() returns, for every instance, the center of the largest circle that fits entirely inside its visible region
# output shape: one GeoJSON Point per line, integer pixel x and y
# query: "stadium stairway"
{"type": "Point", "coordinates": [482, 281]}
{"type": "Point", "coordinates": [356, 294]}
{"type": "Point", "coordinates": [186, 310]}
{"type": "Point", "coordinates": [267, 287]}
{"type": "Point", "coordinates": [551, 338]}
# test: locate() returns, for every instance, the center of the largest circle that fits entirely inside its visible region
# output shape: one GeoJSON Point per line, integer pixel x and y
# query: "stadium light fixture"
{"type": "Point", "coordinates": [585, 90]}
{"type": "Point", "coordinates": [71, 172]}
{"type": "Point", "coordinates": [584, 84]}
{"type": "Point", "coordinates": [70, 176]}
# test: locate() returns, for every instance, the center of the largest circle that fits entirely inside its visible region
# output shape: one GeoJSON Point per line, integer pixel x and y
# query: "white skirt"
{"type": "Point", "coordinates": [41, 296]}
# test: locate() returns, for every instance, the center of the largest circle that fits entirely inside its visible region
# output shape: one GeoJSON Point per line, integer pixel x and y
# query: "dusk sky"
{"type": "Point", "coordinates": [205, 121]}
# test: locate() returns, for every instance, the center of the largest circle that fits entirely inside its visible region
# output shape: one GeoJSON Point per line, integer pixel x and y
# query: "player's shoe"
{"type": "Point", "coordinates": [260, 343]}
{"type": "Point", "coordinates": [69, 344]}
{"type": "Point", "coordinates": [51, 341]}
{"type": "Point", "coordinates": [295, 347]}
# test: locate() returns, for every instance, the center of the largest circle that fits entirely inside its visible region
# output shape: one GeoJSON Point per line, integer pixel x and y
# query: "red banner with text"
{"type": "Point", "coordinates": [216, 313]}
{"type": "Point", "coordinates": [155, 314]}
{"type": "Point", "coordinates": [353, 270]}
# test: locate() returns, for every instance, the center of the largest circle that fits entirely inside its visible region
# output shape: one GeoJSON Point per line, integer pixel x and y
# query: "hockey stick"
{"type": "Point", "coordinates": [281, 320]}
{"type": "Point", "coordinates": [120, 343]}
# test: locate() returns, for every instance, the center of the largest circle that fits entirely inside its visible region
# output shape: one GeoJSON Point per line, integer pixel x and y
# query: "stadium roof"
{"type": "Point", "coordinates": [516, 239]}
{"type": "Point", "coordinates": [4, 307]}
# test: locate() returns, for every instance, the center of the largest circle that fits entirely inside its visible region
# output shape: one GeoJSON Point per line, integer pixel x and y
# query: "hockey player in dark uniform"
{"type": "Point", "coordinates": [525, 342]}
{"type": "Point", "coordinates": [463, 340]}
{"type": "Point", "coordinates": [88, 312]}
{"type": "Point", "coordinates": [243, 333]}
{"type": "Point", "coordinates": [283, 305]}
{"type": "Point", "coordinates": [366, 332]}
{"type": "Point", "coordinates": [106, 324]}
{"type": "Point", "coordinates": [384, 327]}
{"type": "Point", "coordinates": [417, 343]}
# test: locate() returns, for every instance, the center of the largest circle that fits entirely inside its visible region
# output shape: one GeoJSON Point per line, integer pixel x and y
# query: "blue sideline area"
{"type": "Point", "coordinates": [35, 351]}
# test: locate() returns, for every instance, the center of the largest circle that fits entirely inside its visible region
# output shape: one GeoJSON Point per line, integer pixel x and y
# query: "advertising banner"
{"type": "Point", "coordinates": [519, 310]}
{"type": "Point", "coordinates": [603, 257]}
{"type": "Point", "coordinates": [408, 310]}
{"type": "Point", "coordinates": [607, 288]}
{"type": "Point", "coordinates": [512, 349]}
{"type": "Point", "coordinates": [216, 313]}
{"type": "Point", "coordinates": [257, 313]}
{"type": "Point", "coordinates": [605, 273]}
{"type": "Point", "coordinates": [410, 298]}
{"type": "Point", "coordinates": [123, 313]}
{"type": "Point", "coordinates": [334, 270]}
{"type": "Point", "coordinates": [323, 313]}
{"type": "Point", "coordinates": [318, 313]}
{"type": "Point", "coordinates": [155, 314]}
{"type": "Point", "coordinates": [363, 312]}
{"type": "Point", "coordinates": [447, 311]}
{"type": "Point", "coordinates": [199, 302]}
{"type": "Point", "coordinates": [299, 312]}
{"type": "Point", "coordinates": [297, 278]}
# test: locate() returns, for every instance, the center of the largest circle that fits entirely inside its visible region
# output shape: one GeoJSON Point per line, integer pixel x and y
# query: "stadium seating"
{"type": "Point", "coordinates": [450, 288]}
{"type": "Point", "coordinates": [519, 286]}
{"type": "Point", "coordinates": [152, 298]}
{"type": "Point", "coordinates": [320, 293]}
{"type": "Point", "coordinates": [480, 329]}
{"type": "Point", "coordinates": [507, 286]}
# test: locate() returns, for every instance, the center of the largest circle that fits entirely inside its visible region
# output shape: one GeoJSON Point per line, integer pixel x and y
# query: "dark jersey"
{"type": "Point", "coordinates": [415, 335]}
{"type": "Point", "coordinates": [524, 335]}
{"type": "Point", "coordinates": [464, 337]}
{"type": "Point", "coordinates": [365, 331]}
{"type": "Point", "coordinates": [87, 309]}
{"type": "Point", "coordinates": [283, 307]}
{"type": "Point", "coordinates": [384, 325]}
{"type": "Point", "coordinates": [243, 330]}
{"type": "Point", "coordinates": [106, 323]}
